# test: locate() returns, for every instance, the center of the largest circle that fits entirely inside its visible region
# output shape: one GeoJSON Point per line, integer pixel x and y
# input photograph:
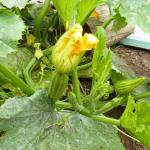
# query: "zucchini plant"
{"type": "Point", "coordinates": [42, 56]}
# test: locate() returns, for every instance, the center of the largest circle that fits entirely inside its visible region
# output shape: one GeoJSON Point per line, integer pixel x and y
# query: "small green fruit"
{"type": "Point", "coordinates": [126, 86]}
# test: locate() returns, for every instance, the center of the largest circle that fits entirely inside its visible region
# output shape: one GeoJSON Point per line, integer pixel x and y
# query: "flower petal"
{"type": "Point", "coordinates": [89, 41]}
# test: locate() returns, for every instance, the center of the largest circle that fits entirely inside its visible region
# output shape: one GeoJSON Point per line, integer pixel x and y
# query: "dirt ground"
{"type": "Point", "coordinates": [139, 61]}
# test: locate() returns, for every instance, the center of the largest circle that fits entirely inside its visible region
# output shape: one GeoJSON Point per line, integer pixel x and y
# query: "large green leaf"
{"type": "Point", "coordinates": [29, 123]}
{"type": "Point", "coordinates": [5, 49]}
{"type": "Point", "coordinates": [14, 3]}
{"type": "Point", "coordinates": [135, 11]}
{"type": "Point", "coordinates": [18, 61]}
{"type": "Point", "coordinates": [137, 121]}
{"type": "Point", "coordinates": [75, 11]}
{"type": "Point", "coordinates": [11, 28]}
{"type": "Point", "coordinates": [84, 9]}
{"type": "Point", "coordinates": [66, 9]}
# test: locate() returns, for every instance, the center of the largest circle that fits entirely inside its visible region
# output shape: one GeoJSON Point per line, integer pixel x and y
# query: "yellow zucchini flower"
{"type": "Point", "coordinates": [70, 48]}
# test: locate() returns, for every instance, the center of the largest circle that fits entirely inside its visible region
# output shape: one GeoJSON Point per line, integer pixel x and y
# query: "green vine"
{"type": "Point", "coordinates": [40, 17]}
{"type": "Point", "coordinates": [16, 80]}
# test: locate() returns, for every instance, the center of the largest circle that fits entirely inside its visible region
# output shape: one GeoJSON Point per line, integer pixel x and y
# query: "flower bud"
{"type": "Point", "coordinates": [70, 48]}
{"type": "Point", "coordinates": [126, 86]}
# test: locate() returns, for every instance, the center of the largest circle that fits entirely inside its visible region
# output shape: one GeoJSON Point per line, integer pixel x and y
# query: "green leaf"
{"type": "Point", "coordinates": [14, 3]}
{"type": "Point", "coordinates": [104, 68]}
{"type": "Point", "coordinates": [17, 61]}
{"type": "Point", "coordinates": [101, 62]}
{"type": "Point", "coordinates": [66, 9]}
{"type": "Point", "coordinates": [101, 46]}
{"type": "Point", "coordinates": [5, 49]}
{"type": "Point", "coordinates": [11, 28]}
{"type": "Point", "coordinates": [85, 8]}
{"type": "Point", "coordinates": [136, 121]}
{"type": "Point", "coordinates": [136, 12]}
{"type": "Point", "coordinates": [75, 11]}
{"type": "Point", "coordinates": [119, 21]}
{"type": "Point", "coordinates": [101, 68]}
{"type": "Point", "coordinates": [29, 123]}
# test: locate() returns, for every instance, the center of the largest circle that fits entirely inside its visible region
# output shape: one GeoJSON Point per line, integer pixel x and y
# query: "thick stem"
{"type": "Point", "coordinates": [141, 96]}
{"type": "Point", "coordinates": [79, 108]}
{"type": "Point", "coordinates": [66, 105]}
{"type": "Point", "coordinates": [3, 79]}
{"type": "Point", "coordinates": [85, 66]}
{"type": "Point", "coordinates": [16, 80]}
{"type": "Point", "coordinates": [107, 22]}
{"type": "Point", "coordinates": [63, 105]}
{"type": "Point", "coordinates": [76, 86]}
{"type": "Point", "coordinates": [40, 17]}
{"type": "Point", "coordinates": [48, 51]}
{"type": "Point", "coordinates": [106, 120]}
{"type": "Point", "coordinates": [28, 70]}
{"type": "Point", "coordinates": [110, 105]}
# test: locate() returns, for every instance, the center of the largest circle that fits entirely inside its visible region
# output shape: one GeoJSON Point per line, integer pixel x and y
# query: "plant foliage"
{"type": "Point", "coordinates": [43, 106]}
{"type": "Point", "coordinates": [11, 28]}
{"type": "Point", "coordinates": [134, 11]}
{"type": "Point", "coordinates": [135, 120]}
{"type": "Point", "coordinates": [14, 3]}
{"type": "Point", "coordinates": [30, 123]}
{"type": "Point", "coordinates": [73, 13]}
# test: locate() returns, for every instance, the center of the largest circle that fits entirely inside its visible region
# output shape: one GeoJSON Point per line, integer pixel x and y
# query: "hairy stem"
{"type": "Point", "coordinates": [3, 79]}
{"type": "Point", "coordinates": [101, 118]}
{"type": "Point", "coordinates": [40, 17]}
{"type": "Point", "coordinates": [110, 105]}
{"type": "Point", "coordinates": [16, 80]}
{"type": "Point", "coordinates": [63, 105]}
{"type": "Point", "coordinates": [76, 86]}
{"type": "Point", "coordinates": [48, 51]}
{"type": "Point", "coordinates": [85, 66]}
{"type": "Point", "coordinates": [106, 119]}
{"type": "Point", "coordinates": [141, 96]}
{"type": "Point", "coordinates": [28, 70]}
{"type": "Point", "coordinates": [107, 22]}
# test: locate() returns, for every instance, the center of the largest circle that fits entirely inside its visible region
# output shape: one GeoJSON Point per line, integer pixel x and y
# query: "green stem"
{"type": "Point", "coordinates": [48, 51]}
{"type": "Point", "coordinates": [64, 105]}
{"type": "Point", "coordinates": [85, 66]}
{"type": "Point", "coordinates": [141, 96]}
{"type": "Point", "coordinates": [107, 22]}
{"type": "Point", "coordinates": [106, 120]}
{"type": "Point", "coordinates": [79, 108]}
{"type": "Point", "coordinates": [40, 17]}
{"type": "Point", "coordinates": [3, 79]}
{"type": "Point", "coordinates": [16, 80]}
{"type": "Point", "coordinates": [110, 105]}
{"type": "Point", "coordinates": [28, 70]}
{"type": "Point", "coordinates": [86, 73]}
{"type": "Point", "coordinates": [76, 86]}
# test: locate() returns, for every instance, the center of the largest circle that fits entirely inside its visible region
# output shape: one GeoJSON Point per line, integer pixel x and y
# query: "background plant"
{"type": "Point", "coordinates": [49, 109]}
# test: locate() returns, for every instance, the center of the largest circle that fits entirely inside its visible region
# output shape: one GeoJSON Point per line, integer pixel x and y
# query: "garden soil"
{"type": "Point", "coordinates": [139, 61]}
